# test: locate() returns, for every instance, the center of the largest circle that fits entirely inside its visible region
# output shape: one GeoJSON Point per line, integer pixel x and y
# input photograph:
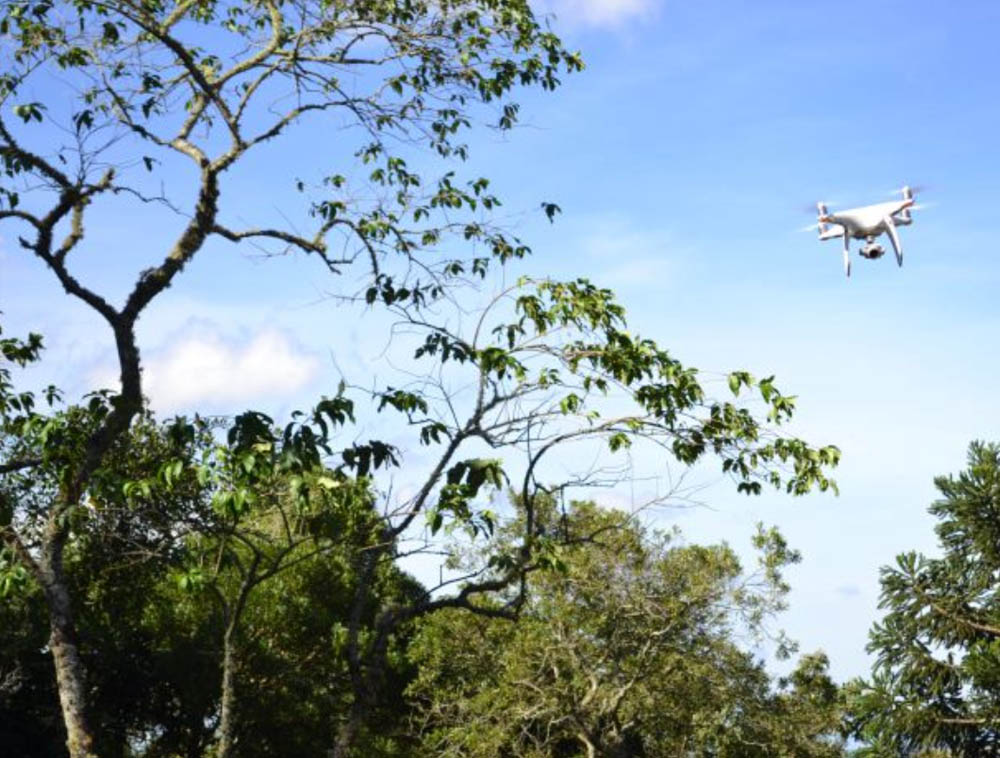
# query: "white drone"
{"type": "Point", "coordinates": [867, 223]}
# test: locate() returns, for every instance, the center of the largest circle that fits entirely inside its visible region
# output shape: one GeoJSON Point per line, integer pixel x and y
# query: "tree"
{"type": "Point", "coordinates": [128, 67]}
{"type": "Point", "coordinates": [934, 689]}
{"type": "Point", "coordinates": [185, 92]}
{"type": "Point", "coordinates": [198, 618]}
{"type": "Point", "coordinates": [630, 649]}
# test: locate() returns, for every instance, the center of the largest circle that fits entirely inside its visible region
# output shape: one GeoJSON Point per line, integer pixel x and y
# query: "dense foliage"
{"type": "Point", "coordinates": [634, 648]}
{"type": "Point", "coordinates": [936, 685]}
{"type": "Point", "coordinates": [175, 591]}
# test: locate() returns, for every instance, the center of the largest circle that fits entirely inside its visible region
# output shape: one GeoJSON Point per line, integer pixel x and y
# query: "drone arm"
{"type": "Point", "coordinates": [890, 228]}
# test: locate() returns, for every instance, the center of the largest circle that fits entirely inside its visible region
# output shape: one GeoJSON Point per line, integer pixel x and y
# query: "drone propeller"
{"type": "Point", "coordinates": [813, 208]}
{"type": "Point", "coordinates": [912, 189]}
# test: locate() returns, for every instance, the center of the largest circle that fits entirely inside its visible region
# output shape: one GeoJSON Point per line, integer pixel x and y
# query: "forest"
{"type": "Point", "coordinates": [430, 559]}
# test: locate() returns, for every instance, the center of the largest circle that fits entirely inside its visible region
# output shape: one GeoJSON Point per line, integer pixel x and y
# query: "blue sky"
{"type": "Point", "coordinates": [682, 158]}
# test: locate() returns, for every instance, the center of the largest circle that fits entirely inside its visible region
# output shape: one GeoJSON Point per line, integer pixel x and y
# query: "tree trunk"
{"type": "Point", "coordinates": [227, 720]}
{"type": "Point", "coordinates": [70, 674]}
{"type": "Point", "coordinates": [69, 669]}
{"type": "Point", "coordinates": [70, 678]}
{"type": "Point", "coordinates": [361, 682]}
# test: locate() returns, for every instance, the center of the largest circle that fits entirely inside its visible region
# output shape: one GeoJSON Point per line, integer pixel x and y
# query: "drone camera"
{"type": "Point", "coordinates": [871, 251]}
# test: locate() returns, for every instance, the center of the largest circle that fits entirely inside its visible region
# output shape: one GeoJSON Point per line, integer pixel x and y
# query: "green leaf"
{"type": "Point", "coordinates": [734, 383]}
{"type": "Point", "coordinates": [29, 111]}
{"type": "Point", "coordinates": [551, 209]}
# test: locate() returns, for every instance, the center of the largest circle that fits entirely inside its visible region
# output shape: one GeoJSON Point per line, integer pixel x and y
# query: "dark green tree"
{"type": "Point", "coordinates": [194, 615]}
{"type": "Point", "coordinates": [630, 648]}
{"type": "Point", "coordinates": [935, 689]}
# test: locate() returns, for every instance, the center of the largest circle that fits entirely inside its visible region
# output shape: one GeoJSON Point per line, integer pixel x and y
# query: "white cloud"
{"type": "Point", "coordinates": [602, 13]}
{"type": "Point", "coordinates": [202, 367]}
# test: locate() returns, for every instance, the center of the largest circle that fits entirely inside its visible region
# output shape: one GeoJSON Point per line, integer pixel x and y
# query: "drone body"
{"type": "Point", "coordinates": [867, 223]}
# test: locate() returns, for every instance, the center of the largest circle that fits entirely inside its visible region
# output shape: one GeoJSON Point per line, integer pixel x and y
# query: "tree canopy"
{"type": "Point", "coordinates": [634, 648]}
{"type": "Point", "coordinates": [157, 106]}
{"type": "Point", "coordinates": [934, 687]}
